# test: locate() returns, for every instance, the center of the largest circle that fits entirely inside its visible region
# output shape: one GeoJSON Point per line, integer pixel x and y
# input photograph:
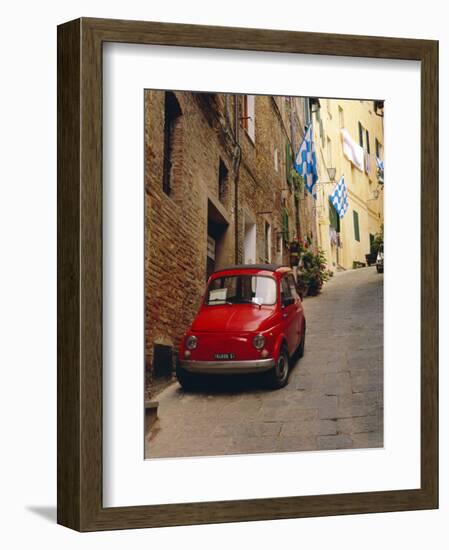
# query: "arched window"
{"type": "Point", "coordinates": [172, 139]}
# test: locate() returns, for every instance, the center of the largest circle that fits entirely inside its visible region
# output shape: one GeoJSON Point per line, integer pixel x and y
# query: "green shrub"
{"type": "Point", "coordinates": [378, 240]}
{"type": "Point", "coordinates": [313, 272]}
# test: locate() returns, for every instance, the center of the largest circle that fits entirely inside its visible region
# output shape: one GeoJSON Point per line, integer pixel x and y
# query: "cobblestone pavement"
{"type": "Point", "coordinates": [334, 398]}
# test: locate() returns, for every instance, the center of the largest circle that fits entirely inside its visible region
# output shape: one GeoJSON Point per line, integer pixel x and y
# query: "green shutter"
{"type": "Point", "coordinates": [356, 226]}
{"type": "Point", "coordinates": [285, 227]}
{"type": "Point", "coordinates": [360, 134]}
{"type": "Point", "coordinates": [377, 149]}
{"type": "Point", "coordinates": [288, 163]}
{"type": "Point", "coordinates": [334, 218]}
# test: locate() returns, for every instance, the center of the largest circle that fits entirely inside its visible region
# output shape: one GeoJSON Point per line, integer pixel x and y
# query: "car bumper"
{"type": "Point", "coordinates": [227, 367]}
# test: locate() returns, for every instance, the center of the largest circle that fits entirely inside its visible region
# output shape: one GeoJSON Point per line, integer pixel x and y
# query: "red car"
{"type": "Point", "coordinates": [251, 320]}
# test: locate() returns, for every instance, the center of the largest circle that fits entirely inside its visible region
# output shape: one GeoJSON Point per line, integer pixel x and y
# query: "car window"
{"type": "Point", "coordinates": [285, 289]}
{"type": "Point", "coordinates": [241, 289]}
{"type": "Point", "coordinates": [292, 284]}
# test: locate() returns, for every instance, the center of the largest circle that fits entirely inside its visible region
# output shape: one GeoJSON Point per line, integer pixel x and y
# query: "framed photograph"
{"type": "Point", "coordinates": [247, 274]}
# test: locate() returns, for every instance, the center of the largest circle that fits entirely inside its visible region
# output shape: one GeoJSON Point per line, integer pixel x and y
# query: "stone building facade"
{"type": "Point", "coordinates": [219, 190]}
{"type": "Point", "coordinates": [347, 241]}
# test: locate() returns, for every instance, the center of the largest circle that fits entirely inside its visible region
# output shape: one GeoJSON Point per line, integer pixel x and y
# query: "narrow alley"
{"type": "Point", "coordinates": [334, 398]}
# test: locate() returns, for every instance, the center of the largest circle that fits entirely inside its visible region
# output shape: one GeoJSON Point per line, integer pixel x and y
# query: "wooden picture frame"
{"type": "Point", "coordinates": [80, 504]}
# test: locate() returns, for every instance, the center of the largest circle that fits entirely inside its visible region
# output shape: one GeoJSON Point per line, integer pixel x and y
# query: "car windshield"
{"type": "Point", "coordinates": [242, 289]}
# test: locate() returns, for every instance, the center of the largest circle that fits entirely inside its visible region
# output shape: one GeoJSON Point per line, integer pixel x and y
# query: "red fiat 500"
{"type": "Point", "coordinates": [251, 320]}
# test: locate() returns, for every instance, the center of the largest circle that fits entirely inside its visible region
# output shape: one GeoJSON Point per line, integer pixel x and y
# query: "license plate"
{"type": "Point", "coordinates": [224, 356]}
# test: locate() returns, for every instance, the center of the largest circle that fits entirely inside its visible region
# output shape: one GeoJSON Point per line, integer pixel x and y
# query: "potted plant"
{"type": "Point", "coordinates": [375, 245]}
{"type": "Point", "coordinates": [313, 272]}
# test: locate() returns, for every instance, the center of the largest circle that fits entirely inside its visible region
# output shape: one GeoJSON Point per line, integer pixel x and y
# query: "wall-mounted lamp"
{"type": "Point", "coordinates": [379, 107]}
{"type": "Point", "coordinates": [331, 172]}
{"type": "Point", "coordinates": [375, 196]}
{"type": "Point", "coordinates": [314, 104]}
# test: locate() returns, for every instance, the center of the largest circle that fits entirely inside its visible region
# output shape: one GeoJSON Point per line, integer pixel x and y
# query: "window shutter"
{"type": "Point", "coordinates": [251, 107]}
{"type": "Point", "coordinates": [334, 218]}
{"type": "Point", "coordinates": [285, 226]}
{"type": "Point", "coordinates": [360, 134]}
{"type": "Point", "coordinates": [356, 226]}
{"type": "Point", "coordinates": [307, 117]}
{"type": "Point", "coordinates": [377, 149]}
{"type": "Point", "coordinates": [341, 117]}
{"type": "Point", "coordinates": [288, 163]}
{"type": "Point", "coordinates": [244, 119]}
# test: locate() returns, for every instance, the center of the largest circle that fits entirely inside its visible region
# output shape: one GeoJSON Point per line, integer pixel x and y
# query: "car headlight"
{"type": "Point", "coordinates": [258, 341]}
{"type": "Point", "coordinates": [191, 342]}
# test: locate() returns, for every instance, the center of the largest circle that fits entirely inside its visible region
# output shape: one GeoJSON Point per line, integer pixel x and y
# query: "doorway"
{"type": "Point", "coordinates": [249, 242]}
{"type": "Point", "coordinates": [217, 229]}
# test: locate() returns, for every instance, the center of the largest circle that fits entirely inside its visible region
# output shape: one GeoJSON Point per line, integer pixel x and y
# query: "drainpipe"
{"type": "Point", "coordinates": [237, 160]}
{"type": "Point", "coordinates": [293, 143]}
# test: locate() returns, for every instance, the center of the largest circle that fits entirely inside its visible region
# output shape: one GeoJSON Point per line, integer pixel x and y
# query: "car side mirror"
{"type": "Point", "coordinates": [288, 301]}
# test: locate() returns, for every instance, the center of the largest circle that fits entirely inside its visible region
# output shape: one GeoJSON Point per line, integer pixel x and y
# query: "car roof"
{"type": "Point", "coordinates": [255, 267]}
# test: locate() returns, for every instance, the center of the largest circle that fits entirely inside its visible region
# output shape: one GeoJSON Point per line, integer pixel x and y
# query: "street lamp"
{"type": "Point", "coordinates": [331, 172]}
{"type": "Point", "coordinates": [375, 195]}
{"type": "Point", "coordinates": [314, 103]}
{"type": "Point", "coordinates": [379, 107]}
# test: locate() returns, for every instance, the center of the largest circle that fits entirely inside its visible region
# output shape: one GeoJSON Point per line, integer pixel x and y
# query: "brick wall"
{"type": "Point", "coordinates": [256, 192]}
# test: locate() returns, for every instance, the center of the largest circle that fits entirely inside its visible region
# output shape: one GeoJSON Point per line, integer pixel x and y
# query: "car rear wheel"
{"type": "Point", "coordinates": [278, 376]}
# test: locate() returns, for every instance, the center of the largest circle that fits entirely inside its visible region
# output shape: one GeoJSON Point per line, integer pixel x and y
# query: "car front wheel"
{"type": "Point", "coordinates": [187, 380]}
{"type": "Point", "coordinates": [278, 376]}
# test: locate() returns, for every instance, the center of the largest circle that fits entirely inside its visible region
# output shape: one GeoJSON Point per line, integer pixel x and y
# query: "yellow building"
{"type": "Point", "coordinates": [348, 138]}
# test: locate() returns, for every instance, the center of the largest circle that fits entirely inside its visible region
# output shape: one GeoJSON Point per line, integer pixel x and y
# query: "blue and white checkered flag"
{"type": "Point", "coordinates": [305, 163]}
{"type": "Point", "coordinates": [339, 197]}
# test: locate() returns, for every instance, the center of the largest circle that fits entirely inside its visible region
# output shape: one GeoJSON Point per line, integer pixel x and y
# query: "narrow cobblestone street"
{"type": "Point", "coordinates": [334, 398]}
